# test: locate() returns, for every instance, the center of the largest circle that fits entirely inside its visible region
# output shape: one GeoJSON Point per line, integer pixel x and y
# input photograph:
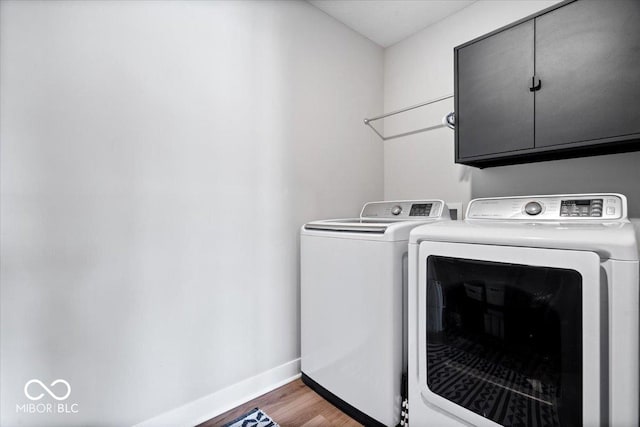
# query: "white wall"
{"type": "Point", "coordinates": [418, 69]}
{"type": "Point", "coordinates": [157, 160]}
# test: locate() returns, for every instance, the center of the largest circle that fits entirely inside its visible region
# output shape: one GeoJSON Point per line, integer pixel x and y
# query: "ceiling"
{"type": "Point", "coordinates": [386, 22]}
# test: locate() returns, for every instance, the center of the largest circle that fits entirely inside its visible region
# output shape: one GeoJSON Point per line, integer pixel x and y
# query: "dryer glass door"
{"type": "Point", "coordinates": [503, 332]}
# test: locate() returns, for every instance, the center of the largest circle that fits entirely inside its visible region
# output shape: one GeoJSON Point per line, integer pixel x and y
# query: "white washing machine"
{"type": "Point", "coordinates": [353, 283]}
{"type": "Point", "coordinates": [526, 313]}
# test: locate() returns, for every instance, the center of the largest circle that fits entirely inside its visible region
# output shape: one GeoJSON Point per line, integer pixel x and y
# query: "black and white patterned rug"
{"type": "Point", "coordinates": [254, 418]}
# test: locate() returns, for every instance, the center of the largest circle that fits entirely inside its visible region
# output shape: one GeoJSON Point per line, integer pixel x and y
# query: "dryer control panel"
{"type": "Point", "coordinates": [564, 207]}
{"type": "Point", "coordinates": [405, 210]}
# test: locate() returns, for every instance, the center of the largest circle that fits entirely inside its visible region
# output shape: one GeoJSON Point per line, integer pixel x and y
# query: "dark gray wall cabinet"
{"type": "Point", "coordinates": [562, 83]}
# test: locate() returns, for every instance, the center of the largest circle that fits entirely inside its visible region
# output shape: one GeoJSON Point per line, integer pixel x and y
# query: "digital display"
{"type": "Point", "coordinates": [423, 209]}
{"type": "Point", "coordinates": [581, 208]}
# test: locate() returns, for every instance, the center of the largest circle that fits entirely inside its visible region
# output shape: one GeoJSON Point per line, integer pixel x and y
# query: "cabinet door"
{"type": "Point", "coordinates": [494, 108]}
{"type": "Point", "coordinates": [588, 59]}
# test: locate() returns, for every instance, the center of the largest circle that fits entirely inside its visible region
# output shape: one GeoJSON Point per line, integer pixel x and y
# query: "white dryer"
{"type": "Point", "coordinates": [526, 313]}
{"type": "Point", "coordinates": [353, 284]}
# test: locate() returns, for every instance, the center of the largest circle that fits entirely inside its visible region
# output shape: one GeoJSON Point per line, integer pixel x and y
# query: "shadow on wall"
{"type": "Point", "coordinates": [615, 173]}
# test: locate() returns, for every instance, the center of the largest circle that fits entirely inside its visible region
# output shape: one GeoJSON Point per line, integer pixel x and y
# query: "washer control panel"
{"type": "Point", "coordinates": [557, 207]}
{"type": "Point", "coordinates": [583, 208]}
{"type": "Point", "coordinates": [404, 209]}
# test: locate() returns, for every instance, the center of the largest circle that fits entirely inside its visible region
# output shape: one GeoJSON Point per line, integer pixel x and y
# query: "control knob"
{"type": "Point", "coordinates": [396, 210]}
{"type": "Point", "coordinates": [533, 208]}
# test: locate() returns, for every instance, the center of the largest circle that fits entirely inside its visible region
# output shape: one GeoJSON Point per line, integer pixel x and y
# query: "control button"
{"type": "Point", "coordinates": [533, 208]}
{"type": "Point", "coordinates": [611, 210]}
{"type": "Point", "coordinates": [396, 210]}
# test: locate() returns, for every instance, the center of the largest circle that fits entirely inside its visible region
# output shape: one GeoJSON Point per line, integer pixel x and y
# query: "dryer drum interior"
{"type": "Point", "coordinates": [504, 340]}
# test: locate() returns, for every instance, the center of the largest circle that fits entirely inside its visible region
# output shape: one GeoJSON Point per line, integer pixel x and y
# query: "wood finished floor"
{"type": "Point", "coordinates": [292, 405]}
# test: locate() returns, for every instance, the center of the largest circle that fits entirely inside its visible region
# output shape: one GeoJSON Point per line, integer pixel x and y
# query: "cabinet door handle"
{"type": "Point", "coordinates": [535, 86]}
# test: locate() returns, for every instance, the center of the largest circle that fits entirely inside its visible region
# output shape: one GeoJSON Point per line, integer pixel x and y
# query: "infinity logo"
{"type": "Point", "coordinates": [52, 394]}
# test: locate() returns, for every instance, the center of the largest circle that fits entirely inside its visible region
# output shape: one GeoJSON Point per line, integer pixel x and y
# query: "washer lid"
{"type": "Point", "coordinates": [357, 229]}
{"type": "Point", "coordinates": [388, 221]}
{"type": "Point", "coordinates": [355, 225]}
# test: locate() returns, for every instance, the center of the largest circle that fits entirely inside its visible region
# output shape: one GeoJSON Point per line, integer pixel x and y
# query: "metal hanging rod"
{"type": "Point", "coordinates": [442, 98]}
{"type": "Point", "coordinates": [447, 121]}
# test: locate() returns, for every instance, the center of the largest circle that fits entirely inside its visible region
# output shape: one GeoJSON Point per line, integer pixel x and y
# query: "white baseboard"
{"type": "Point", "coordinates": [221, 401]}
